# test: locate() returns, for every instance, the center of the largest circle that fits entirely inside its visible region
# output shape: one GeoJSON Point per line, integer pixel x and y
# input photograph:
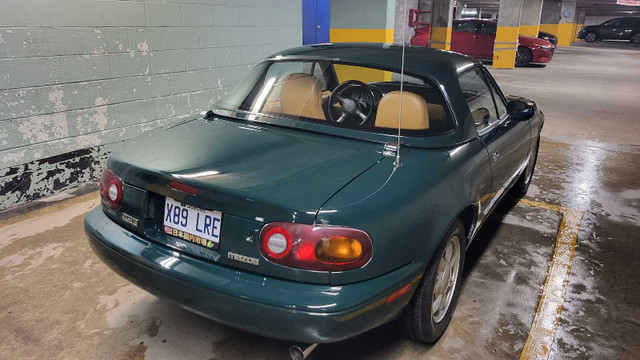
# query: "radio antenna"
{"type": "Point", "coordinates": [397, 162]}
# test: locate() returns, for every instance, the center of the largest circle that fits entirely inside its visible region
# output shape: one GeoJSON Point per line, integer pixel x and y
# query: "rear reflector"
{"type": "Point", "coordinates": [183, 187]}
{"type": "Point", "coordinates": [398, 293]}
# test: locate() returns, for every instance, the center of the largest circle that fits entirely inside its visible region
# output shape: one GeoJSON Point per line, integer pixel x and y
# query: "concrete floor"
{"type": "Point", "coordinates": [58, 301]}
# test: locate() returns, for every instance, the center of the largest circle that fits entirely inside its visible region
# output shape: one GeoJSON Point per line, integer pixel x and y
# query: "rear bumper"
{"type": "Point", "coordinates": [269, 307]}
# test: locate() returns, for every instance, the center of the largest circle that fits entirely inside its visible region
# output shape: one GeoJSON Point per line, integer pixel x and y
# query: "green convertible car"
{"type": "Point", "coordinates": [331, 192]}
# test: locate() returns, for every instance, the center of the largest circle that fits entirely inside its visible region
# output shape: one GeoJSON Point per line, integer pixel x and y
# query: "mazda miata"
{"type": "Point", "coordinates": [334, 190]}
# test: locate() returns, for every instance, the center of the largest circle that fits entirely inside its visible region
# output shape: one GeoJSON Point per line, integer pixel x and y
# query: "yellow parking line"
{"type": "Point", "coordinates": [545, 322]}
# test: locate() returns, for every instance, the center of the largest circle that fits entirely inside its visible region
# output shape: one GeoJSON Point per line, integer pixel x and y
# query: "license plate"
{"type": "Point", "coordinates": [193, 224]}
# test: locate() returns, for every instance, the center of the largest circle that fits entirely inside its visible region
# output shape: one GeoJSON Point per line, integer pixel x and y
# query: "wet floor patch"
{"type": "Point", "coordinates": [505, 270]}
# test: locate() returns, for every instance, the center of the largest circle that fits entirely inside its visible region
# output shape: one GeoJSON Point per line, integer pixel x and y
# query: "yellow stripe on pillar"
{"type": "Point", "coordinates": [440, 38]}
{"type": "Point", "coordinates": [550, 28]}
{"type": "Point", "coordinates": [361, 35]}
{"type": "Point", "coordinates": [529, 30]}
{"type": "Point", "coordinates": [505, 47]}
{"type": "Point", "coordinates": [565, 34]}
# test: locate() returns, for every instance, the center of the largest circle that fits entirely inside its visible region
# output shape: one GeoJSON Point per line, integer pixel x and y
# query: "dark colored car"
{"type": "Point", "coordinates": [476, 38]}
{"type": "Point", "coordinates": [289, 211]}
{"type": "Point", "coordinates": [625, 28]}
{"type": "Point", "coordinates": [548, 37]}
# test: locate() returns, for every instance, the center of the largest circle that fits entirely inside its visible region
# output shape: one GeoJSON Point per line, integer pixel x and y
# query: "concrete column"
{"type": "Point", "coordinates": [530, 17]}
{"type": "Point", "coordinates": [506, 44]}
{"type": "Point", "coordinates": [558, 18]}
{"type": "Point", "coordinates": [366, 21]}
{"type": "Point", "coordinates": [459, 11]}
{"type": "Point", "coordinates": [441, 20]}
{"type": "Point", "coordinates": [401, 22]}
{"type": "Point", "coordinates": [567, 25]}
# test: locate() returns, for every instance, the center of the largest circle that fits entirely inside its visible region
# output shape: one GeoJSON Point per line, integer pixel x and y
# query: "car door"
{"type": "Point", "coordinates": [507, 141]}
{"type": "Point", "coordinates": [485, 37]}
{"type": "Point", "coordinates": [610, 29]}
{"type": "Point", "coordinates": [625, 29]}
{"type": "Point", "coordinates": [462, 38]}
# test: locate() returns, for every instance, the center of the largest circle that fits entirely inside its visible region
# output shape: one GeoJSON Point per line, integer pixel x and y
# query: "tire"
{"type": "Point", "coordinates": [591, 37]}
{"type": "Point", "coordinates": [521, 187]}
{"type": "Point", "coordinates": [635, 38]}
{"type": "Point", "coordinates": [419, 321]}
{"type": "Point", "coordinates": [523, 56]}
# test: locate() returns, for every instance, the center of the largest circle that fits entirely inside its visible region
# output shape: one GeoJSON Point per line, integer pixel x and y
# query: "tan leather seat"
{"type": "Point", "coordinates": [479, 115]}
{"type": "Point", "coordinates": [437, 116]}
{"type": "Point", "coordinates": [301, 95]}
{"type": "Point", "coordinates": [415, 115]}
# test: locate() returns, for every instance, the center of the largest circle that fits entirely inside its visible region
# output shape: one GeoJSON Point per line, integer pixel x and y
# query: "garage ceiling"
{"type": "Point", "coordinates": [591, 7]}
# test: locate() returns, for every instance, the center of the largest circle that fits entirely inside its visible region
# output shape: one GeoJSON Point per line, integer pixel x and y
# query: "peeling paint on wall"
{"type": "Point", "coordinates": [74, 88]}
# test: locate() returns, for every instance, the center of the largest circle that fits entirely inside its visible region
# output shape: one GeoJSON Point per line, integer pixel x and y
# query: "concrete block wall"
{"type": "Point", "coordinates": [77, 77]}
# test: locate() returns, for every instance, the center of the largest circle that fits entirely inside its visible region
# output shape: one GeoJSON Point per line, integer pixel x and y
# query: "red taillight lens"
{"type": "Point", "coordinates": [314, 247]}
{"type": "Point", "coordinates": [110, 188]}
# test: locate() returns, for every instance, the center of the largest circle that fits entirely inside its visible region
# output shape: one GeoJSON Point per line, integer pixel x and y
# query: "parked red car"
{"type": "Point", "coordinates": [475, 37]}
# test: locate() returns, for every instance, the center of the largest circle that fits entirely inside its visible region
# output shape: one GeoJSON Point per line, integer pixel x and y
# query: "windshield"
{"type": "Point", "coordinates": [341, 95]}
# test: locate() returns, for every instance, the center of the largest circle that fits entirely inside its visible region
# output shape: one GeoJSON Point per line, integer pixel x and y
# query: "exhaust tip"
{"type": "Point", "coordinates": [295, 353]}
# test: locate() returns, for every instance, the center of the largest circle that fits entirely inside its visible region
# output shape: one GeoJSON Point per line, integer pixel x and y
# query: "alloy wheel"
{"type": "Point", "coordinates": [446, 279]}
{"type": "Point", "coordinates": [591, 37]}
{"type": "Point", "coordinates": [636, 38]}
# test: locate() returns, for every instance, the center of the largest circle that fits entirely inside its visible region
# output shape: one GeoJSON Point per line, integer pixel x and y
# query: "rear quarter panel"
{"type": "Point", "coordinates": [407, 209]}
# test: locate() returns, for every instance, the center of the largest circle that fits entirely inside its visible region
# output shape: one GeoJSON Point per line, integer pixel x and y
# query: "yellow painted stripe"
{"type": "Point", "coordinates": [440, 38]}
{"type": "Point", "coordinates": [361, 35]}
{"type": "Point", "coordinates": [565, 34]}
{"type": "Point", "coordinates": [529, 30]}
{"type": "Point", "coordinates": [545, 322]}
{"type": "Point", "coordinates": [504, 55]}
{"type": "Point", "coordinates": [550, 28]}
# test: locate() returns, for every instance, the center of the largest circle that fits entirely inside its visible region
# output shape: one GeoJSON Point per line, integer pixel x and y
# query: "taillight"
{"type": "Point", "coordinates": [110, 188]}
{"type": "Point", "coordinates": [315, 247]}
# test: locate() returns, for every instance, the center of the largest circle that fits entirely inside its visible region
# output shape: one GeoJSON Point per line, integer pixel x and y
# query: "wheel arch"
{"type": "Point", "coordinates": [469, 216]}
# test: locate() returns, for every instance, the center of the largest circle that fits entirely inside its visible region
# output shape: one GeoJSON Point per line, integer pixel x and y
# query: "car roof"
{"type": "Point", "coordinates": [436, 64]}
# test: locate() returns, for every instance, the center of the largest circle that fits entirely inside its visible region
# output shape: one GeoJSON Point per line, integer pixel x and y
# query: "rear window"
{"type": "Point", "coordinates": [342, 95]}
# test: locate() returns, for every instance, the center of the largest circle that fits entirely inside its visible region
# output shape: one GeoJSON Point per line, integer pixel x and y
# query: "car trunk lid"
{"type": "Point", "coordinates": [251, 174]}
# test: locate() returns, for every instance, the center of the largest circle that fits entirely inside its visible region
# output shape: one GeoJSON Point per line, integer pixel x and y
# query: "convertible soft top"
{"type": "Point", "coordinates": [442, 67]}
{"type": "Point", "coordinates": [439, 65]}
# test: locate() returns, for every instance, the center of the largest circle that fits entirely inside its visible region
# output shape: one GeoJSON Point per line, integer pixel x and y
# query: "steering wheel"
{"type": "Point", "coordinates": [356, 100]}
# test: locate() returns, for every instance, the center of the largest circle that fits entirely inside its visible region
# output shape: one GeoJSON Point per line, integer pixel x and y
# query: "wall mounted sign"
{"type": "Point", "coordinates": [629, 2]}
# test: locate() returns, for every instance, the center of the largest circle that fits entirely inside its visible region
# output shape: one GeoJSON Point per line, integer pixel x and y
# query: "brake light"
{"type": "Point", "coordinates": [110, 188]}
{"type": "Point", "coordinates": [315, 247]}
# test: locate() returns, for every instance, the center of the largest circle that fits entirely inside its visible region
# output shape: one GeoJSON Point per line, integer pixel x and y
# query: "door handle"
{"type": "Point", "coordinates": [506, 124]}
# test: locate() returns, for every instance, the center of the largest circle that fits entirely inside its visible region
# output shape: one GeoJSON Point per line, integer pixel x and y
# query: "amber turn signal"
{"type": "Point", "coordinates": [338, 250]}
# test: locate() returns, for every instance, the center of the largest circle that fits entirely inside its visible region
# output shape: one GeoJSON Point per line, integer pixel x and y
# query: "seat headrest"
{"type": "Point", "coordinates": [415, 114]}
{"type": "Point", "coordinates": [301, 95]}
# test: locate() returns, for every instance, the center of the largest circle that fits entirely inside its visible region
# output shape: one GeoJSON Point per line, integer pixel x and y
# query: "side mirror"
{"type": "Point", "coordinates": [521, 110]}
